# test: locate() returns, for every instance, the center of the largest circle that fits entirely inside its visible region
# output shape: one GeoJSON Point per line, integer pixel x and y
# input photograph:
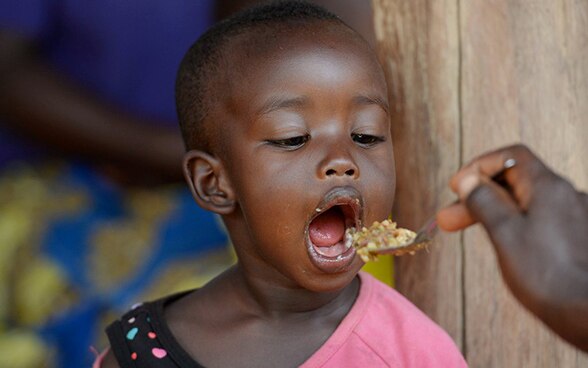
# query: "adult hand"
{"type": "Point", "coordinates": [538, 224]}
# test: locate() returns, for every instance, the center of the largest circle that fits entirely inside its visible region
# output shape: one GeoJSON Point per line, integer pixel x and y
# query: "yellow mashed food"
{"type": "Point", "coordinates": [380, 235]}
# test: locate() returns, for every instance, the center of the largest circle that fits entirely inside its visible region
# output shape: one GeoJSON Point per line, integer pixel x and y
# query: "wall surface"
{"type": "Point", "coordinates": [468, 76]}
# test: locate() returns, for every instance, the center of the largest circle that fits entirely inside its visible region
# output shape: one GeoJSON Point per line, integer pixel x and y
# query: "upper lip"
{"type": "Point", "coordinates": [342, 196]}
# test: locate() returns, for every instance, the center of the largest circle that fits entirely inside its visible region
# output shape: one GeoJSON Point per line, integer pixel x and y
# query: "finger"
{"type": "Point", "coordinates": [457, 216]}
{"type": "Point", "coordinates": [496, 210]}
{"type": "Point", "coordinates": [486, 165]}
{"type": "Point", "coordinates": [454, 217]}
{"type": "Point", "coordinates": [467, 183]}
{"type": "Point", "coordinates": [520, 178]}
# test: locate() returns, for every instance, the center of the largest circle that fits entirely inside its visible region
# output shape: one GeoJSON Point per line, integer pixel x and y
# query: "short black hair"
{"type": "Point", "coordinates": [195, 92]}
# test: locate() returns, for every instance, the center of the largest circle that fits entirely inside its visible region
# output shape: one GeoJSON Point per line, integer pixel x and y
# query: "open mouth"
{"type": "Point", "coordinates": [329, 246]}
{"type": "Point", "coordinates": [327, 230]}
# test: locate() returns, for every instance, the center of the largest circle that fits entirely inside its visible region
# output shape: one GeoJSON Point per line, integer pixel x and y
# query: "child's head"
{"type": "Point", "coordinates": [284, 111]}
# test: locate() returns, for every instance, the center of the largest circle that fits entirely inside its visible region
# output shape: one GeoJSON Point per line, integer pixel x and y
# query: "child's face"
{"type": "Point", "coordinates": [308, 154]}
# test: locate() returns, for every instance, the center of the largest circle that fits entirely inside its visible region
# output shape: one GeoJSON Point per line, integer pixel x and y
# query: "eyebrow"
{"type": "Point", "coordinates": [280, 102]}
{"type": "Point", "coordinates": [371, 100]}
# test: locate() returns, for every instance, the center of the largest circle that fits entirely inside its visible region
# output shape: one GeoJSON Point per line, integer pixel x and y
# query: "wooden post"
{"type": "Point", "coordinates": [467, 76]}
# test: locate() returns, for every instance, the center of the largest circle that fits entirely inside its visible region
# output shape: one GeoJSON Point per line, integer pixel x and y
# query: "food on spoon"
{"type": "Point", "coordinates": [381, 235]}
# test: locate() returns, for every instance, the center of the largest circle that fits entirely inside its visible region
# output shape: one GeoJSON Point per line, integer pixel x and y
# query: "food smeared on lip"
{"type": "Point", "coordinates": [379, 235]}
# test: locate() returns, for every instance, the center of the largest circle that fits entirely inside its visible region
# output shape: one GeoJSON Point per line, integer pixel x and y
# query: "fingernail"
{"type": "Point", "coordinates": [467, 184]}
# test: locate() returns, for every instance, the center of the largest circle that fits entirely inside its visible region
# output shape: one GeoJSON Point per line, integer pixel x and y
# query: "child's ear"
{"type": "Point", "coordinates": [208, 182]}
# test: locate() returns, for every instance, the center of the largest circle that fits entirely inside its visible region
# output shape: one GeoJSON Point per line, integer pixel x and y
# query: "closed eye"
{"type": "Point", "coordinates": [291, 143]}
{"type": "Point", "coordinates": [366, 140]}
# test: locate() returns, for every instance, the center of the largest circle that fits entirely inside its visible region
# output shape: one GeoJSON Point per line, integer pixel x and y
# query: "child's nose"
{"type": "Point", "coordinates": [339, 164]}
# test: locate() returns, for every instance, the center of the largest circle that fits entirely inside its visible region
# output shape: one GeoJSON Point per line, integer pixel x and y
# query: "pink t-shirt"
{"type": "Point", "coordinates": [383, 329]}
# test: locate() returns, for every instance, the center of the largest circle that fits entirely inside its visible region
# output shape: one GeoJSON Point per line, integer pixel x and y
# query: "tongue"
{"type": "Point", "coordinates": [327, 229]}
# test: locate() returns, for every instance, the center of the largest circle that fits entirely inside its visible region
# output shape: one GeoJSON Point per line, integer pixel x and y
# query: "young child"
{"type": "Point", "coordinates": [283, 110]}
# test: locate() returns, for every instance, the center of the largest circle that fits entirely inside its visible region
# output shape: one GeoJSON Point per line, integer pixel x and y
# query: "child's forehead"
{"type": "Point", "coordinates": [254, 55]}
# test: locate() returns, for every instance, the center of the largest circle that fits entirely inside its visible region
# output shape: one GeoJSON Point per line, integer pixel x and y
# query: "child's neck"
{"type": "Point", "coordinates": [236, 314]}
{"type": "Point", "coordinates": [278, 300]}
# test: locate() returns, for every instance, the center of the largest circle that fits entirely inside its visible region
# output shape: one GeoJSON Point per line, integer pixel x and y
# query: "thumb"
{"type": "Point", "coordinates": [492, 206]}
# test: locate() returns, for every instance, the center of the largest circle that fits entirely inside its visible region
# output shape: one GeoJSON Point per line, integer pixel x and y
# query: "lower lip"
{"type": "Point", "coordinates": [326, 264]}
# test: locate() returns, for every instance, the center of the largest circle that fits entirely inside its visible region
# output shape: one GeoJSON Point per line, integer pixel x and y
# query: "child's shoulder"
{"type": "Point", "coordinates": [142, 334]}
